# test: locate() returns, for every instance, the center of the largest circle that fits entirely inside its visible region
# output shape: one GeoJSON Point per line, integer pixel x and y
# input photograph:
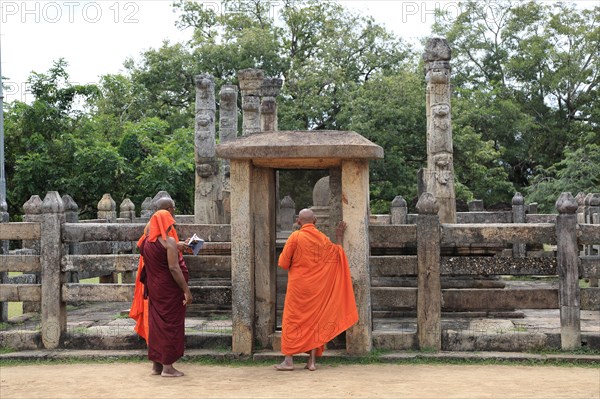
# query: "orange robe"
{"type": "Point", "coordinates": [139, 306]}
{"type": "Point", "coordinates": [319, 302]}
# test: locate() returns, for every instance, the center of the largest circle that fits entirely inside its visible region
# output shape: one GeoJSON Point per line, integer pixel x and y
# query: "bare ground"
{"type": "Point", "coordinates": [133, 380]}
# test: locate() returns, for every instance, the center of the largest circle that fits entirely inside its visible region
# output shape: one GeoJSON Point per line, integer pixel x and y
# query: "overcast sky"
{"type": "Point", "coordinates": [95, 37]}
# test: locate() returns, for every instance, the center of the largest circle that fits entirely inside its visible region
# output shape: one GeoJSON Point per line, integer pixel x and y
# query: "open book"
{"type": "Point", "coordinates": [195, 243]}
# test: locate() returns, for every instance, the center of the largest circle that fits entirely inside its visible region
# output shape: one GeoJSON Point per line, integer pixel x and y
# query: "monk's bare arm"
{"type": "Point", "coordinates": [339, 232]}
{"type": "Point", "coordinates": [173, 259]}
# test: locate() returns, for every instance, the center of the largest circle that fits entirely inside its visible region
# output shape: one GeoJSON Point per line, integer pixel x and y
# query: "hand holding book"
{"type": "Point", "coordinates": [195, 243]}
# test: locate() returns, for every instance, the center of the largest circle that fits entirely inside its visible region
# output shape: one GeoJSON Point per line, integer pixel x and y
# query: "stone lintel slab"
{"type": "Point", "coordinates": [308, 149]}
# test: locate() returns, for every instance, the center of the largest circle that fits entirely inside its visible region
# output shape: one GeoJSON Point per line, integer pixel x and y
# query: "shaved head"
{"type": "Point", "coordinates": [164, 203]}
{"type": "Point", "coordinates": [306, 216]}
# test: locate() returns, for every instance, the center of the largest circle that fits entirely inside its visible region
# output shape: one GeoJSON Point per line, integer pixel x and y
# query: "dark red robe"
{"type": "Point", "coordinates": [166, 318]}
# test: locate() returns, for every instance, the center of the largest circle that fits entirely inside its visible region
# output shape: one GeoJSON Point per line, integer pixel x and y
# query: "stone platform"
{"type": "Point", "coordinates": [106, 326]}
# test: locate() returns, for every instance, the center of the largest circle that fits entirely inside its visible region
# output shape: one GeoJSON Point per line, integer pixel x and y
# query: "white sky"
{"type": "Point", "coordinates": [95, 37]}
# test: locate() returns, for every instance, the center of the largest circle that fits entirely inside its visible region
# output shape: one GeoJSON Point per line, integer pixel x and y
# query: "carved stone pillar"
{"type": "Point", "coordinates": [268, 107]}
{"type": "Point", "coordinates": [206, 205]}
{"type": "Point", "coordinates": [440, 165]}
{"type": "Point", "coordinates": [251, 81]}
{"type": "Point", "coordinates": [228, 128]}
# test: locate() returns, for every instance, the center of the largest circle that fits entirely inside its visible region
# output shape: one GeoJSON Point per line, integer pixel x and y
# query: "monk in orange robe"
{"type": "Point", "coordinates": [319, 303]}
{"type": "Point", "coordinates": [161, 291]}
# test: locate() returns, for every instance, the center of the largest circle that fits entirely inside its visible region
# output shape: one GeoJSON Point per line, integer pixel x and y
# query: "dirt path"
{"type": "Point", "coordinates": [133, 380]}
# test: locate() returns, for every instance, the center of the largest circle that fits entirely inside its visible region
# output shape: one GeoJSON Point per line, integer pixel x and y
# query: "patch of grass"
{"type": "Point", "coordinates": [584, 350]}
{"type": "Point", "coordinates": [6, 350]}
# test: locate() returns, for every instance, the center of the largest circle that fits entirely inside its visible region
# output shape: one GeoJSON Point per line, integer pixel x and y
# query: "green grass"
{"type": "Point", "coordinates": [374, 358]}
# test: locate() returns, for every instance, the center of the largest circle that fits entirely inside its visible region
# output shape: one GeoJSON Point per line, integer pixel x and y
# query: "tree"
{"type": "Point", "coordinates": [535, 66]}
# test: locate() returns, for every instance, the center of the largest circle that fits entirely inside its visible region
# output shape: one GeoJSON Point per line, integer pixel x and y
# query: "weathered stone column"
{"type": "Point", "coordinates": [251, 81]}
{"type": "Point", "coordinates": [242, 258]}
{"type": "Point", "coordinates": [228, 113]}
{"type": "Point", "coordinates": [440, 165]}
{"type": "Point", "coordinates": [355, 209]}
{"type": "Point", "coordinates": [228, 129]}
{"type": "Point", "coordinates": [208, 181]}
{"type": "Point", "coordinates": [518, 214]}
{"type": "Point", "coordinates": [287, 214]}
{"type": "Point", "coordinates": [429, 294]}
{"type": "Point", "coordinates": [268, 107]}
{"type": "Point", "coordinates": [54, 316]}
{"type": "Point", "coordinates": [398, 211]}
{"type": "Point", "coordinates": [567, 255]}
{"type": "Point", "coordinates": [263, 200]}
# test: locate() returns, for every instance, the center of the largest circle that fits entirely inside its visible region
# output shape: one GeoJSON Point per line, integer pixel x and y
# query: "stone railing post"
{"type": "Point", "coordinates": [586, 250]}
{"type": "Point", "coordinates": [107, 208]}
{"type": "Point", "coordinates": [532, 208]}
{"type": "Point", "coordinates": [518, 216]}
{"type": "Point", "coordinates": [127, 211]}
{"type": "Point", "coordinates": [146, 209]}
{"type": "Point", "coordinates": [567, 257]}
{"type": "Point", "coordinates": [71, 216]}
{"type": "Point", "coordinates": [268, 107]}
{"type": "Point", "coordinates": [3, 251]}
{"type": "Point", "coordinates": [429, 294]}
{"type": "Point", "coordinates": [54, 316]}
{"type": "Point", "coordinates": [288, 214]}
{"type": "Point", "coordinates": [594, 212]}
{"type": "Point", "coordinates": [251, 81]}
{"type": "Point", "coordinates": [476, 206]}
{"type": "Point", "coordinates": [398, 211]}
{"type": "Point", "coordinates": [32, 212]}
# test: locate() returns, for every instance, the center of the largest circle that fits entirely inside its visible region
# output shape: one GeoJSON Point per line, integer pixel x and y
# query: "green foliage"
{"type": "Point", "coordinates": [525, 105]}
{"type": "Point", "coordinates": [528, 72]}
{"type": "Point", "coordinates": [578, 172]}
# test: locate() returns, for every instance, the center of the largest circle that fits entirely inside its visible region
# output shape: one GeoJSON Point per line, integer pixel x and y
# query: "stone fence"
{"type": "Point", "coordinates": [427, 235]}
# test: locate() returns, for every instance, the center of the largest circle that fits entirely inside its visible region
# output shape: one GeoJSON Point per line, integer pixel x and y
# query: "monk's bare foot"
{"type": "Point", "coordinates": [283, 366]}
{"type": "Point", "coordinates": [157, 368]}
{"type": "Point", "coordinates": [311, 367]}
{"type": "Point", "coordinates": [171, 372]}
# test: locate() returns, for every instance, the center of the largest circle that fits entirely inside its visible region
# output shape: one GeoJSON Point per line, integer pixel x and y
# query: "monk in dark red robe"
{"type": "Point", "coordinates": [165, 277]}
{"type": "Point", "coordinates": [319, 302]}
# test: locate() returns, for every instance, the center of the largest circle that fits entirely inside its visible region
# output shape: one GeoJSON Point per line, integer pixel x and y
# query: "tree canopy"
{"type": "Point", "coordinates": [525, 103]}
